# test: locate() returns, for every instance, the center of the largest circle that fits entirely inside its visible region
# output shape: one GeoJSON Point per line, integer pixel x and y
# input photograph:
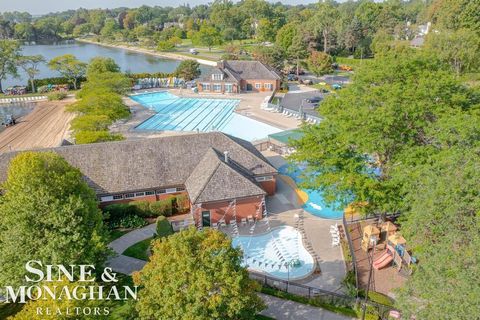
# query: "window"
{"type": "Point", "coordinates": [117, 197]}
{"type": "Point", "coordinates": [258, 85]}
{"type": "Point", "coordinates": [139, 194]}
{"type": "Point", "coordinates": [129, 195]}
{"type": "Point", "coordinates": [229, 88]}
{"type": "Point", "coordinates": [206, 86]}
{"type": "Point", "coordinates": [181, 189]}
{"type": "Point", "coordinates": [107, 198]}
{"type": "Point", "coordinates": [171, 190]}
{"type": "Point", "coordinates": [217, 76]}
{"type": "Point", "coordinates": [268, 86]}
{"type": "Point", "coordinates": [264, 178]}
{"type": "Point", "coordinates": [161, 191]}
{"type": "Point", "coordinates": [217, 87]}
{"type": "Point", "coordinates": [149, 193]}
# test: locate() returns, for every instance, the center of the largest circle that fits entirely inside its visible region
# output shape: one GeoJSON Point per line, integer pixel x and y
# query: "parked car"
{"type": "Point", "coordinates": [314, 99]}
{"type": "Point", "coordinates": [193, 51]}
{"type": "Point", "coordinates": [292, 77]}
{"type": "Point", "coordinates": [9, 121]}
{"type": "Point", "coordinates": [336, 86]}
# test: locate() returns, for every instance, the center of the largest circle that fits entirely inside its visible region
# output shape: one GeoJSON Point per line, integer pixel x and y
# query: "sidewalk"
{"type": "Point", "coordinates": [285, 310]}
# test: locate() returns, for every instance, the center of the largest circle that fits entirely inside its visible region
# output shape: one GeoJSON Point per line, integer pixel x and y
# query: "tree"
{"type": "Point", "coordinates": [163, 228]}
{"type": "Point", "coordinates": [324, 22]}
{"type": "Point", "coordinates": [271, 56]}
{"type": "Point", "coordinates": [320, 63]}
{"type": "Point", "coordinates": [460, 49]}
{"type": "Point", "coordinates": [297, 51]}
{"type": "Point", "coordinates": [101, 65]}
{"type": "Point", "coordinates": [389, 115]}
{"type": "Point", "coordinates": [48, 214]}
{"type": "Point", "coordinates": [188, 70]}
{"type": "Point", "coordinates": [9, 55]}
{"type": "Point", "coordinates": [69, 67]}
{"type": "Point", "coordinates": [207, 36]}
{"type": "Point", "coordinates": [30, 64]}
{"type": "Point", "coordinates": [201, 279]}
{"type": "Point", "coordinates": [109, 29]}
{"type": "Point", "coordinates": [165, 46]}
{"type": "Point", "coordinates": [285, 35]}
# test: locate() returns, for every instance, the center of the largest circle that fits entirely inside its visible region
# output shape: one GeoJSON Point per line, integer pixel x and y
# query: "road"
{"type": "Point", "coordinates": [46, 126]}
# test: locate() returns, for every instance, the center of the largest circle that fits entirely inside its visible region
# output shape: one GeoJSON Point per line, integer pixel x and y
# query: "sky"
{"type": "Point", "coordinates": [46, 6]}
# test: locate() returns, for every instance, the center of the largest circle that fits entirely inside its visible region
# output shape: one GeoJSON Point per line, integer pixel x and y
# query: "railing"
{"type": "Point", "coordinates": [352, 251]}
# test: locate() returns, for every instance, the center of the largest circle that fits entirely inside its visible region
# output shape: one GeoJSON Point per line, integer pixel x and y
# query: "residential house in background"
{"type": "Point", "coordinates": [236, 76]}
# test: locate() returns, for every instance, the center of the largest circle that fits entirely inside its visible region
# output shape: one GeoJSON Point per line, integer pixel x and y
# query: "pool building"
{"type": "Point", "coordinates": [213, 169]}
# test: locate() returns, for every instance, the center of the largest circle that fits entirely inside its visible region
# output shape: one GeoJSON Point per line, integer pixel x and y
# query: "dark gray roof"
{"type": "Point", "coordinates": [236, 70]}
{"type": "Point", "coordinates": [293, 101]}
{"type": "Point", "coordinates": [131, 165]}
{"type": "Point", "coordinates": [214, 179]}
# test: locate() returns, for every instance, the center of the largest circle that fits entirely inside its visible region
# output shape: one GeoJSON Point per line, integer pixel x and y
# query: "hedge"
{"type": "Point", "coordinates": [162, 207]}
{"type": "Point", "coordinates": [165, 207]}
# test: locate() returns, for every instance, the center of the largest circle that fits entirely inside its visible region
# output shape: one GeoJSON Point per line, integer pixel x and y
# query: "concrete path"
{"type": "Point", "coordinates": [124, 264]}
{"type": "Point", "coordinates": [280, 309]}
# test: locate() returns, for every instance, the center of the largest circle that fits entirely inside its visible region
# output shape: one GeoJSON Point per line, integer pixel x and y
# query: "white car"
{"type": "Point", "coordinates": [193, 51]}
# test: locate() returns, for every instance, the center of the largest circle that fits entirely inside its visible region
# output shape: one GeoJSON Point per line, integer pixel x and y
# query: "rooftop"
{"type": "Point", "coordinates": [133, 165]}
{"type": "Point", "coordinates": [236, 70]}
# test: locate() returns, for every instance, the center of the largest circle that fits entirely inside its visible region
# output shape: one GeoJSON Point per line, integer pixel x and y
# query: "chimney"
{"type": "Point", "coordinates": [226, 156]}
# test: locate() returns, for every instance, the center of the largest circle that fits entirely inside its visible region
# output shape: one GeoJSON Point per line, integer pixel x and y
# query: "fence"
{"type": "Point", "coordinates": [352, 251]}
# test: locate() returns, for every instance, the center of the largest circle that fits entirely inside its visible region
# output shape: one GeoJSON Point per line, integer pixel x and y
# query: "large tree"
{"type": "Point", "coordinates": [69, 67]}
{"type": "Point", "coordinates": [207, 36]}
{"type": "Point", "coordinates": [188, 70]}
{"type": "Point", "coordinates": [48, 213]}
{"type": "Point", "coordinates": [9, 56]}
{"type": "Point", "coordinates": [196, 275]}
{"type": "Point", "coordinates": [30, 65]}
{"type": "Point", "coordinates": [319, 63]}
{"type": "Point", "coordinates": [100, 65]}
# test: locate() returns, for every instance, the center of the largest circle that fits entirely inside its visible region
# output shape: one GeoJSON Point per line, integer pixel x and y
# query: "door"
{"type": "Point", "coordinates": [249, 87]}
{"type": "Point", "coordinates": [206, 218]}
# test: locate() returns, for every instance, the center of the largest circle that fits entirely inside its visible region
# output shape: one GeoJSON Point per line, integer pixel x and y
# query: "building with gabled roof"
{"type": "Point", "coordinates": [236, 76]}
{"type": "Point", "coordinates": [212, 169]}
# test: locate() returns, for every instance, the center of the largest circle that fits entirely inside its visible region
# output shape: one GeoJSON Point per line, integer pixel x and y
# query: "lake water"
{"type": "Point", "coordinates": [127, 60]}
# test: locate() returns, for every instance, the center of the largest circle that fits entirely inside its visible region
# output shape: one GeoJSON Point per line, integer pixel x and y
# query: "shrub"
{"type": "Point", "coordinates": [164, 228]}
{"type": "Point", "coordinates": [142, 208]}
{"type": "Point", "coordinates": [128, 222]}
{"type": "Point", "coordinates": [85, 137]}
{"type": "Point", "coordinates": [56, 96]}
{"type": "Point", "coordinates": [182, 203]}
{"type": "Point", "coordinates": [118, 211]}
{"type": "Point", "coordinates": [162, 207]}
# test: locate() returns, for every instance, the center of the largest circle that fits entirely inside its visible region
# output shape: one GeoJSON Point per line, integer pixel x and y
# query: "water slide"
{"type": "Point", "coordinates": [383, 260]}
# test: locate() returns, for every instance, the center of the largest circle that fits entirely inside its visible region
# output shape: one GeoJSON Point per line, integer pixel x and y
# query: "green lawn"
{"type": "Point", "coordinates": [139, 250]}
{"type": "Point", "coordinates": [115, 234]}
{"type": "Point", "coordinates": [351, 61]}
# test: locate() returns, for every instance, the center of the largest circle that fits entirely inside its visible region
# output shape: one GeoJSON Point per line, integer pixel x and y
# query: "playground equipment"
{"type": "Point", "coordinates": [370, 236]}
{"type": "Point", "coordinates": [385, 259]}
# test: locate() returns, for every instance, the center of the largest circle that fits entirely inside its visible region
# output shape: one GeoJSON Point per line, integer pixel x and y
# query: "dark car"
{"type": "Point", "coordinates": [292, 77]}
{"type": "Point", "coordinates": [314, 100]}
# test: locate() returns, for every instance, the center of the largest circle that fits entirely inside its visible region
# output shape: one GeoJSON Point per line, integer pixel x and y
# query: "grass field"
{"type": "Point", "coordinates": [139, 250]}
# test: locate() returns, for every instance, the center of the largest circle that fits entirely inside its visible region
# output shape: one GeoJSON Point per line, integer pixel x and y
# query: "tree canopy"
{"type": "Point", "coordinates": [201, 278]}
{"type": "Point", "coordinates": [69, 67]}
{"type": "Point", "coordinates": [48, 213]}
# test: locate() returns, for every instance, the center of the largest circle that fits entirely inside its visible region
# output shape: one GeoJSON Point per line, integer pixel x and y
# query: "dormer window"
{"type": "Point", "coordinates": [217, 76]}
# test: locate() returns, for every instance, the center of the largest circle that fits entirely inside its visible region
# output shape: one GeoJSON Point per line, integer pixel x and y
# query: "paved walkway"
{"type": "Point", "coordinates": [280, 309]}
{"type": "Point", "coordinates": [124, 264]}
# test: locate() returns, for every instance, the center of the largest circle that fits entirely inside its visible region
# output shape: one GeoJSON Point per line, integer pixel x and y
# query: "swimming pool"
{"type": "Point", "coordinates": [315, 204]}
{"type": "Point", "coordinates": [273, 251]}
{"type": "Point", "coordinates": [199, 114]}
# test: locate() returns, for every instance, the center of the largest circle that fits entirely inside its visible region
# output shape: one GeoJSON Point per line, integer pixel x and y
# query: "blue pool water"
{"type": "Point", "coordinates": [270, 252]}
{"type": "Point", "coordinates": [198, 114]}
{"type": "Point", "coordinates": [315, 204]}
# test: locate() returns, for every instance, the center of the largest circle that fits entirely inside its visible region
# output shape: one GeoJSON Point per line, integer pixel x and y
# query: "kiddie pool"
{"type": "Point", "coordinates": [315, 204]}
{"type": "Point", "coordinates": [279, 253]}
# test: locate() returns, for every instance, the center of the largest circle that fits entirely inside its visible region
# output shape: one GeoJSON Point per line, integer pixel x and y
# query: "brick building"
{"type": "Point", "coordinates": [212, 169]}
{"type": "Point", "coordinates": [236, 76]}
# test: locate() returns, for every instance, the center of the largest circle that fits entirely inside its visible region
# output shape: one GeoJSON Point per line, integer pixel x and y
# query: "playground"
{"type": "Point", "coordinates": [382, 242]}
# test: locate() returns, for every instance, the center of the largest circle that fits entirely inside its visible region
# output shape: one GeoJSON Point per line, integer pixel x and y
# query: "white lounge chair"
{"type": "Point", "coordinates": [215, 225]}
{"type": "Point", "coordinates": [244, 221]}
{"type": "Point", "coordinates": [250, 219]}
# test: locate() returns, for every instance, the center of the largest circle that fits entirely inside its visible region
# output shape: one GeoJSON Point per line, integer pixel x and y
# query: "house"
{"type": "Point", "coordinates": [236, 76]}
{"type": "Point", "coordinates": [213, 169]}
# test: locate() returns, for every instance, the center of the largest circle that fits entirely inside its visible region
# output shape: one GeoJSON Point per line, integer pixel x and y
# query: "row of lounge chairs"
{"type": "Point", "coordinates": [222, 223]}
{"type": "Point", "coordinates": [287, 113]}
{"type": "Point", "coordinates": [22, 99]}
{"type": "Point", "coordinates": [148, 83]}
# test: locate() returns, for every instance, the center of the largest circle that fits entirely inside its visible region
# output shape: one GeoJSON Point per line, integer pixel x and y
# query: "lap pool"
{"type": "Point", "coordinates": [279, 253]}
{"type": "Point", "coordinates": [315, 203]}
{"type": "Point", "coordinates": [199, 114]}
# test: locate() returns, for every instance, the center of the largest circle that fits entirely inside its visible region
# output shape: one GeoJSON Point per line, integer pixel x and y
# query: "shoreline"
{"type": "Point", "coordinates": [166, 55]}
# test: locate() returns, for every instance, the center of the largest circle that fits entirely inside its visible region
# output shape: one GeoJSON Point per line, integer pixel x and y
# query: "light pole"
{"type": "Point", "coordinates": [373, 242]}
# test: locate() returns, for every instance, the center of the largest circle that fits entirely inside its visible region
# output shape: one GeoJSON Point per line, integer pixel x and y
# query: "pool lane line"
{"type": "Point", "coordinates": [198, 105]}
{"type": "Point", "coordinates": [221, 115]}
{"type": "Point", "coordinates": [203, 107]}
{"type": "Point", "coordinates": [223, 106]}
{"type": "Point", "coordinates": [180, 107]}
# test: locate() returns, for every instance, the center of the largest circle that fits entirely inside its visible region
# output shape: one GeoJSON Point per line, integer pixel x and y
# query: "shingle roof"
{"type": "Point", "coordinates": [214, 179]}
{"type": "Point", "coordinates": [236, 70]}
{"type": "Point", "coordinates": [131, 165]}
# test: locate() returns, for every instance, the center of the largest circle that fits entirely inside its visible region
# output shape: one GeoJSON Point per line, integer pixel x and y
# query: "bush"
{"type": "Point", "coordinates": [118, 211]}
{"type": "Point", "coordinates": [56, 96]}
{"type": "Point", "coordinates": [85, 137]}
{"type": "Point", "coordinates": [142, 208]}
{"type": "Point", "coordinates": [182, 203]}
{"type": "Point", "coordinates": [164, 228]}
{"type": "Point", "coordinates": [128, 222]}
{"type": "Point", "coordinates": [162, 207]}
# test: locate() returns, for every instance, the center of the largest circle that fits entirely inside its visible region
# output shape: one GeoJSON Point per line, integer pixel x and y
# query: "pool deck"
{"type": "Point", "coordinates": [250, 106]}
{"type": "Point", "coordinates": [282, 210]}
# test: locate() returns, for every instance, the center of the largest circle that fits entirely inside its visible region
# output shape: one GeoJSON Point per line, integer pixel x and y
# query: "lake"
{"type": "Point", "coordinates": [127, 60]}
